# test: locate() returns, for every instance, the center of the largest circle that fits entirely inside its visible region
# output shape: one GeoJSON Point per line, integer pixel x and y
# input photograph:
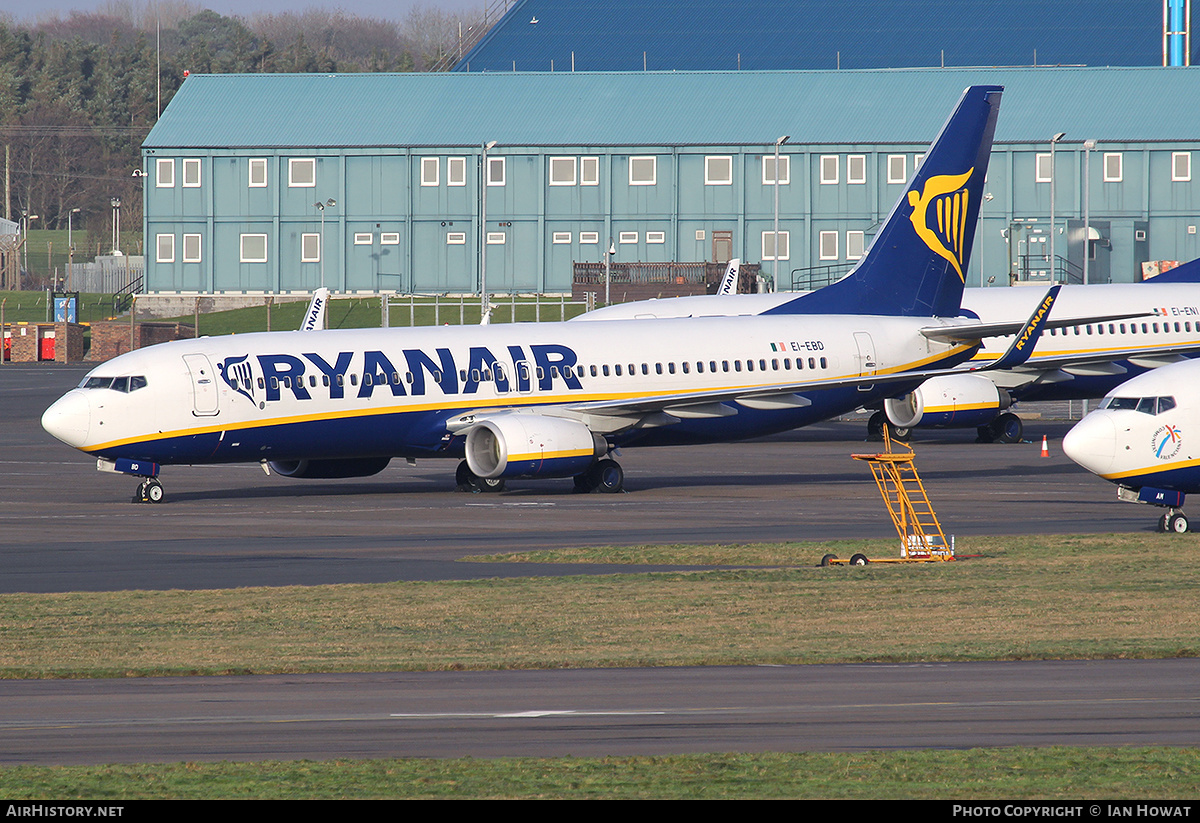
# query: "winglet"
{"type": "Point", "coordinates": [729, 285]}
{"type": "Point", "coordinates": [1026, 340]}
{"type": "Point", "coordinates": [314, 317]}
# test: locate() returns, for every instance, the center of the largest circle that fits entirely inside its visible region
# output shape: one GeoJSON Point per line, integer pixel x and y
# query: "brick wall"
{"type": "Point", "coordinates": [110, 339]}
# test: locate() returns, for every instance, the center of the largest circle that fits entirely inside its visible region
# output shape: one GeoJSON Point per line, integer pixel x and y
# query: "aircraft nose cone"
{"type": "Point", "coordinates": [68, 419]}
{"type": "Point", "coordinates": [1092, 443]}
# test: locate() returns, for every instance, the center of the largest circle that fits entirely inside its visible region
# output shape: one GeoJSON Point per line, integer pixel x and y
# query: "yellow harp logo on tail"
{"type": "Point", "coordinates": [948, 197]}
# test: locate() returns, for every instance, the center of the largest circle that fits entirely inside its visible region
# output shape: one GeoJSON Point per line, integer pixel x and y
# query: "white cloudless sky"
{"type": "Point", "coordinates": [25, 11]}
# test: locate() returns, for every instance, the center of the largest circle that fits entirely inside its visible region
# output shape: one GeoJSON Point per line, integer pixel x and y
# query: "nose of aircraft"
{"type": "Point", "coordinates": [68, 419]}
{"type": "Point", "coordinates": [1092, 443]}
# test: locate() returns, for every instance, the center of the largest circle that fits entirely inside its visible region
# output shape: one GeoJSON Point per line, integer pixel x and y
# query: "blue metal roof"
{"type": "Point", "coordinates": [691, 35]}
{"type": "Point", "coordinates": [667, 108]}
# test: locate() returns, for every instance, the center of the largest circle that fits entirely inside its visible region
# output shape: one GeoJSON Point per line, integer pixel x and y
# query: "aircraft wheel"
{"type": "Point", "coordinates": [985, 434]}
{"type": "Point", "coordinates": [901, 433]}
{"type": "Point", "coordinates": [859, 560]}
{"type": "Point", "coordinates": [826, 560]}
{"type": "Point", "coordinates": [1177, 523]}
{"type": "Point", "coordinates": [154, 492]}
{"type": "Point", "coordinates": [875, 427]}
{"type": "Point", "coordinates": [468, 481]}
{"type": "Point", "coordinates": [1008, 428]}
{"type": "Point", "coordinates": [610, 477]}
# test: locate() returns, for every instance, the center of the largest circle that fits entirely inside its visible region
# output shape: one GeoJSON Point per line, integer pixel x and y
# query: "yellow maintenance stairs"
{"type": "Point", "coordinates": [921, 536]}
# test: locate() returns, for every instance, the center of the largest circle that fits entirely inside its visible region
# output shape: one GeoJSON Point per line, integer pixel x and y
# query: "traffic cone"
{"type": "Point", "coordinates": [1045, 450]}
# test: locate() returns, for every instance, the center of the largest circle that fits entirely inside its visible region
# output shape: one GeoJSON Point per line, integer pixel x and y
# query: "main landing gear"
{"type": "Point", "coordinates": [605, 476]}
{"type": "Point", "coordinates": [1007, 428]}
{"type": "Point", "coordinates": [875, 424]}
{"type": "Point", "coordinates": [469, 481]}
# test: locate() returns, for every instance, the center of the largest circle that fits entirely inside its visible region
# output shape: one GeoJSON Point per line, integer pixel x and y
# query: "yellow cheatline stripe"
{"type": "Point", "coordinates": [1163, 467]}
{"type": "Point", "coordinates": [550, 455]}
{"type": "Point", "coordinates": [958, 407]}
{"type": "Point", "coordinates": [488, 404]}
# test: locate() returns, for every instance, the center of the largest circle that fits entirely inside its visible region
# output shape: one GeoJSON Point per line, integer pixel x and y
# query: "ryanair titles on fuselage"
{"type": "Point", "coordinates": [408, 374]}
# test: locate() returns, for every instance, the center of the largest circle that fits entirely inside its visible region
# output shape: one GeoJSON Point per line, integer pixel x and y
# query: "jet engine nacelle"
{"type": "Point", "coordinates": [948, 402]}
{"type": "Point", "coordinates": [530, 445]}
{"type": "Point", "coordinates": [329, 469]}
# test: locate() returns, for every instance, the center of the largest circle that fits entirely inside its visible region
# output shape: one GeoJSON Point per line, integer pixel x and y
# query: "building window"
{"type": "Point", "coordinates": [1112, 167]}
{"type": "Point", "coordinates": [897, 168]}
{"type": "Point", "coordinates": [589, 171]}
{"type": "Point", "coordinates": [768, 170]}
{"type": "Point", "coordinates": [495, 238]}
{"type": "Point", "coordinates": [389, 238]}
{"type": "Point", "coordinates": [1181, 166]}
{"type": "Point", "coordinates": [856, 169]}
{"type": "Point", "coordinates": [364, 238]}
{"type": "Point", "coordinates": [560, 237]}
{"type": "Point", "coordinates": [855, 245]}
{"type": "Point", "coordinates": [430, 171]}
{"type": "Point", "coordinates": [643, 171]}
{"type": "Point", "coordinates": [829, 169]}
{"type": "Point", "coordinates": [718, 171]}
{"type": "Point", "coordinates": [456, 238]}
{"type": "Point", "coordinates": [495, 175]}
{"type": "Point", "coordinates": [562, 171]}
{"type": "Point", "coordinates": [254, 248]}
{"type": "Point", "coordinates": [656, 237]}
{"type": "Point", "coordinates": [310, 248]}
{"type": "Point", "coordinates": [258, 173]}
{"type": "Point", "coordinates": [191, 248]}
{"type": "Point", "coordinates": [589, 237]}
{"type": "Point", "coordinates": [302, 173]}
{"type": "Point", "coordinates": [828, 245]}
{"type": "Point", "coordinates": [456, 171]}
{"type": "Point", "coordinates": [1043, 171]}
{"type": "Point", "coordinates": [627, 237]}
{"type": "Point", "coordinates": [191, 173]}
{"type": "Point", "coordinates": [165, 248]}
{"type": "Point", "coordinates": [164, 177]}
{"type": "Point", "coordinates": [768, 246]}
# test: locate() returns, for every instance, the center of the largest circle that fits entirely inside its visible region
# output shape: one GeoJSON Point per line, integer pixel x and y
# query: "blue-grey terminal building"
{"type": "Point", "coordinates": [375, 182]}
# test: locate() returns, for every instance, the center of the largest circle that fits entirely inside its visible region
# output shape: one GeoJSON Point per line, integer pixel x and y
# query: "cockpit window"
{"type": "Point", "coordinates": [97, 383]}
{"type": "Point", "coordinates": [121, 384]}
{"type": "Point", "coordinates": [1145, 405]}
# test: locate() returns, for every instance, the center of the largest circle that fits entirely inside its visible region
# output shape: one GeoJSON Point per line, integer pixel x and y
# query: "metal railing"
{"type": "Point", "coordinates": [464, 309]}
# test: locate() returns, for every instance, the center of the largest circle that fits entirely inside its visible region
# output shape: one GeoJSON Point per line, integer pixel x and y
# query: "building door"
{"type": "Point", "coordinates": [722, 246]}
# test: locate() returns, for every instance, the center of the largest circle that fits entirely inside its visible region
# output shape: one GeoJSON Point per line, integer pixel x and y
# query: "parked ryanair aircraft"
{"type": "Point", "coordinates": [1075, 361]}
{"type": "Point", "coordinates": [554, 399]}
{"type": "Point", "coordinates": [1143, 436]}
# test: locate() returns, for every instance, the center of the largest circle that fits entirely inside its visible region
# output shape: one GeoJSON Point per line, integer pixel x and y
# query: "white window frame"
{"type": "Point", "coordinates": [364, 238]}
{"type": "Point", "coordinates": [830, 169]}
{"type": "Point", "coordinates": [192, 248]}
{"type": "Point", "coordinates": [557, 166]}
{"type": "Point", "coordinates": [897, 175]}
{"type": "Point", "coordinates": [558, 238]}
{"type": "Point", "coordinates": [768, 166]}
{"type": "Point", "coordinates": [494, 164]}
{"type": "Point", "coordinates": [456, 238]}
{"type": "Point", "coordinates": [1183, 158]}
{"type": "Point", "coordinates": [1042, 173]}
{"type": "Point", "coordinates": [259, 164]}
{"type": "Point", "coordinates": [856, 245]}
{"type": "Point", "coordinates": [589, 171]}
{"type": "Point", "coordinates": [712, 176]}
{"type": "Point", "coordinates": [431, 171]}
{"type": "Point", "coordinates": [456, 171]}
{"type": "Point", "coordinates": [627, 237]}
{"type": "Point", "coordinates": [496, 238]}
{"type": "Point", "coordinates": [164, 248]}
{"type": "Point", "coordinates": [295, 165]}
{"type": "Point", "coordinates": [656, 237]}
{"type": "Point", "coordinates": [164, 173]}
{"type": "Point", "coordinates": [640, 160]}
{"type": "Point", "coordinates": [191, 171]}
{"type": "Point", "coordinates": [589, 237]}
{"type": "Point", "coordinates": [254, 237]}
{"type": "Point", "coordinates": [1119, 159]}
{"type": "Point", "coordinates": [769, 252]}
{"type": "Point", "coordinates": [310, 247]}
{"type": "Point", "coordinates": [389, 238]}
{"type": "Point", "coordinates": [919, 158]}
{"type": "Point", "coordinates": [861, 161]}
{"type": "Point", "coordinates": [824, 252]}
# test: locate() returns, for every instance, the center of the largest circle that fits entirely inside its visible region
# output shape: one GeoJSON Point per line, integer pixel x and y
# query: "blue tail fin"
{"type": "Point", "coordinates": [916, 263]}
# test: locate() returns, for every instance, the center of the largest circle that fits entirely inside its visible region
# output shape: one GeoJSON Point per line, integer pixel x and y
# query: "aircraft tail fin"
{"type": "Point", "coordinates": [729, 283]}
{"type": "Point", "coordinates": [917, 262]}
{"type": "Point", "coordinates": [314, 317]}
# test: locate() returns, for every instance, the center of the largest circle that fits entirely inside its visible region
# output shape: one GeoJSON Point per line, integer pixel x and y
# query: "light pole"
{"type": "Point", "coordinates": [70, 247]}
{"type": "Point", "coordinates": [116, 231]}
{"type": "Point", "coordinates": [483, 299]}
{"type": "Point", "coordinates": [612, 249]}
{"type": "Point", "coordinates": [26, 217]}
{"type": "Point", "coordinates": [775, 233]}
{"type": "Point", "coordinates": [1088, 145]}
{"type": "Point", "coordinates": [330, 203]}
{"type": "Point", "coordinates": [1053, 260]}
